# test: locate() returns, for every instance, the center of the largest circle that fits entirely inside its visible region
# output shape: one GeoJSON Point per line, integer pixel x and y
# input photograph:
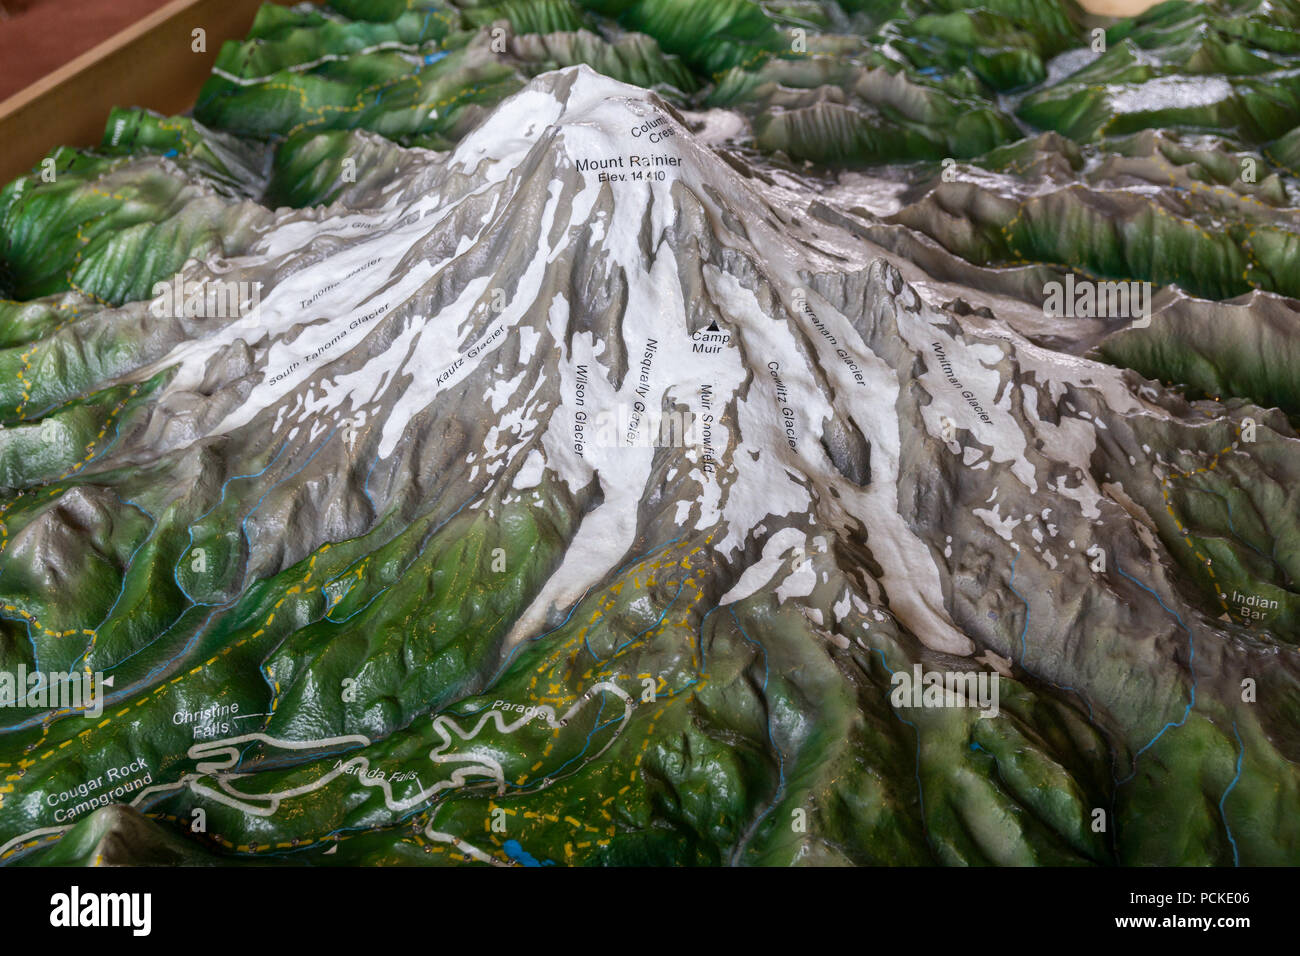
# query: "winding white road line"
{"type": "Point", "coordinates": [214, 757]}
{"type": "Point", "coordinates": [445, 726]}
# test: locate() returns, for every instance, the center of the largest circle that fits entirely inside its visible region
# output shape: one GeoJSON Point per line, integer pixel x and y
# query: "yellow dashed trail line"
{"type": "Point", "coordinates": [1183, 532]}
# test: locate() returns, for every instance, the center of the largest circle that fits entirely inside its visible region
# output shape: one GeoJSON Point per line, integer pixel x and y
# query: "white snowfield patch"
{"type": "Point", "coordinates": [319, 313]}
{"type": "Point", "coordinates": [441, 358]}
{"type": "Point", "coordinates": [1000, 525]}
{"type": "Point", "coordinates": [1168, 93]}
{"type": "Point", "coordinates": [654, 309]}
{"type": "Point", "coordinates": [767, 475]}
{"type": "Point", "coordinates": [530, 475]}
{"type": "Point", "coordinates": [495, 149]}
{"type": "Point", "coordinates": [911, 577]}
{"type": "Point", "coordinates": [1072, 440]}
{"type": "Point", "coordinates": [759, 574]}
{"type": "Point", "coordinates": [965, 389]}
{"type": "Point", "coordinates": [798, 583]}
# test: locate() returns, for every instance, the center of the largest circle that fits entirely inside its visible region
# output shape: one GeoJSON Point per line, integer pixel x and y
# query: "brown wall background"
{"type": "Point", "coordinates": [39, 36]}
{"type": "Point", "coordinates": [149, 62]}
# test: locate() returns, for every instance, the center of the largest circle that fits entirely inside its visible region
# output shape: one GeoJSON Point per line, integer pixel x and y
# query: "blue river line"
{"type": "Point", "coordinates": [1191, 665]}
{"type": "Point", "coordinates": [1241, 753]}
{"type": "Point", "coordinates": [780, 789]}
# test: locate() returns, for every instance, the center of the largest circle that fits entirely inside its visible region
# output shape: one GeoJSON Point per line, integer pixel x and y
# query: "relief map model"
{"type": "Point", "coordinates": [664, 432]}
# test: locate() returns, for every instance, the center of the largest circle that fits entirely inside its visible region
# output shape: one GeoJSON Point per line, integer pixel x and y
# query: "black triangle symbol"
{"type": "Point", "coordinates": [713, 327]}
